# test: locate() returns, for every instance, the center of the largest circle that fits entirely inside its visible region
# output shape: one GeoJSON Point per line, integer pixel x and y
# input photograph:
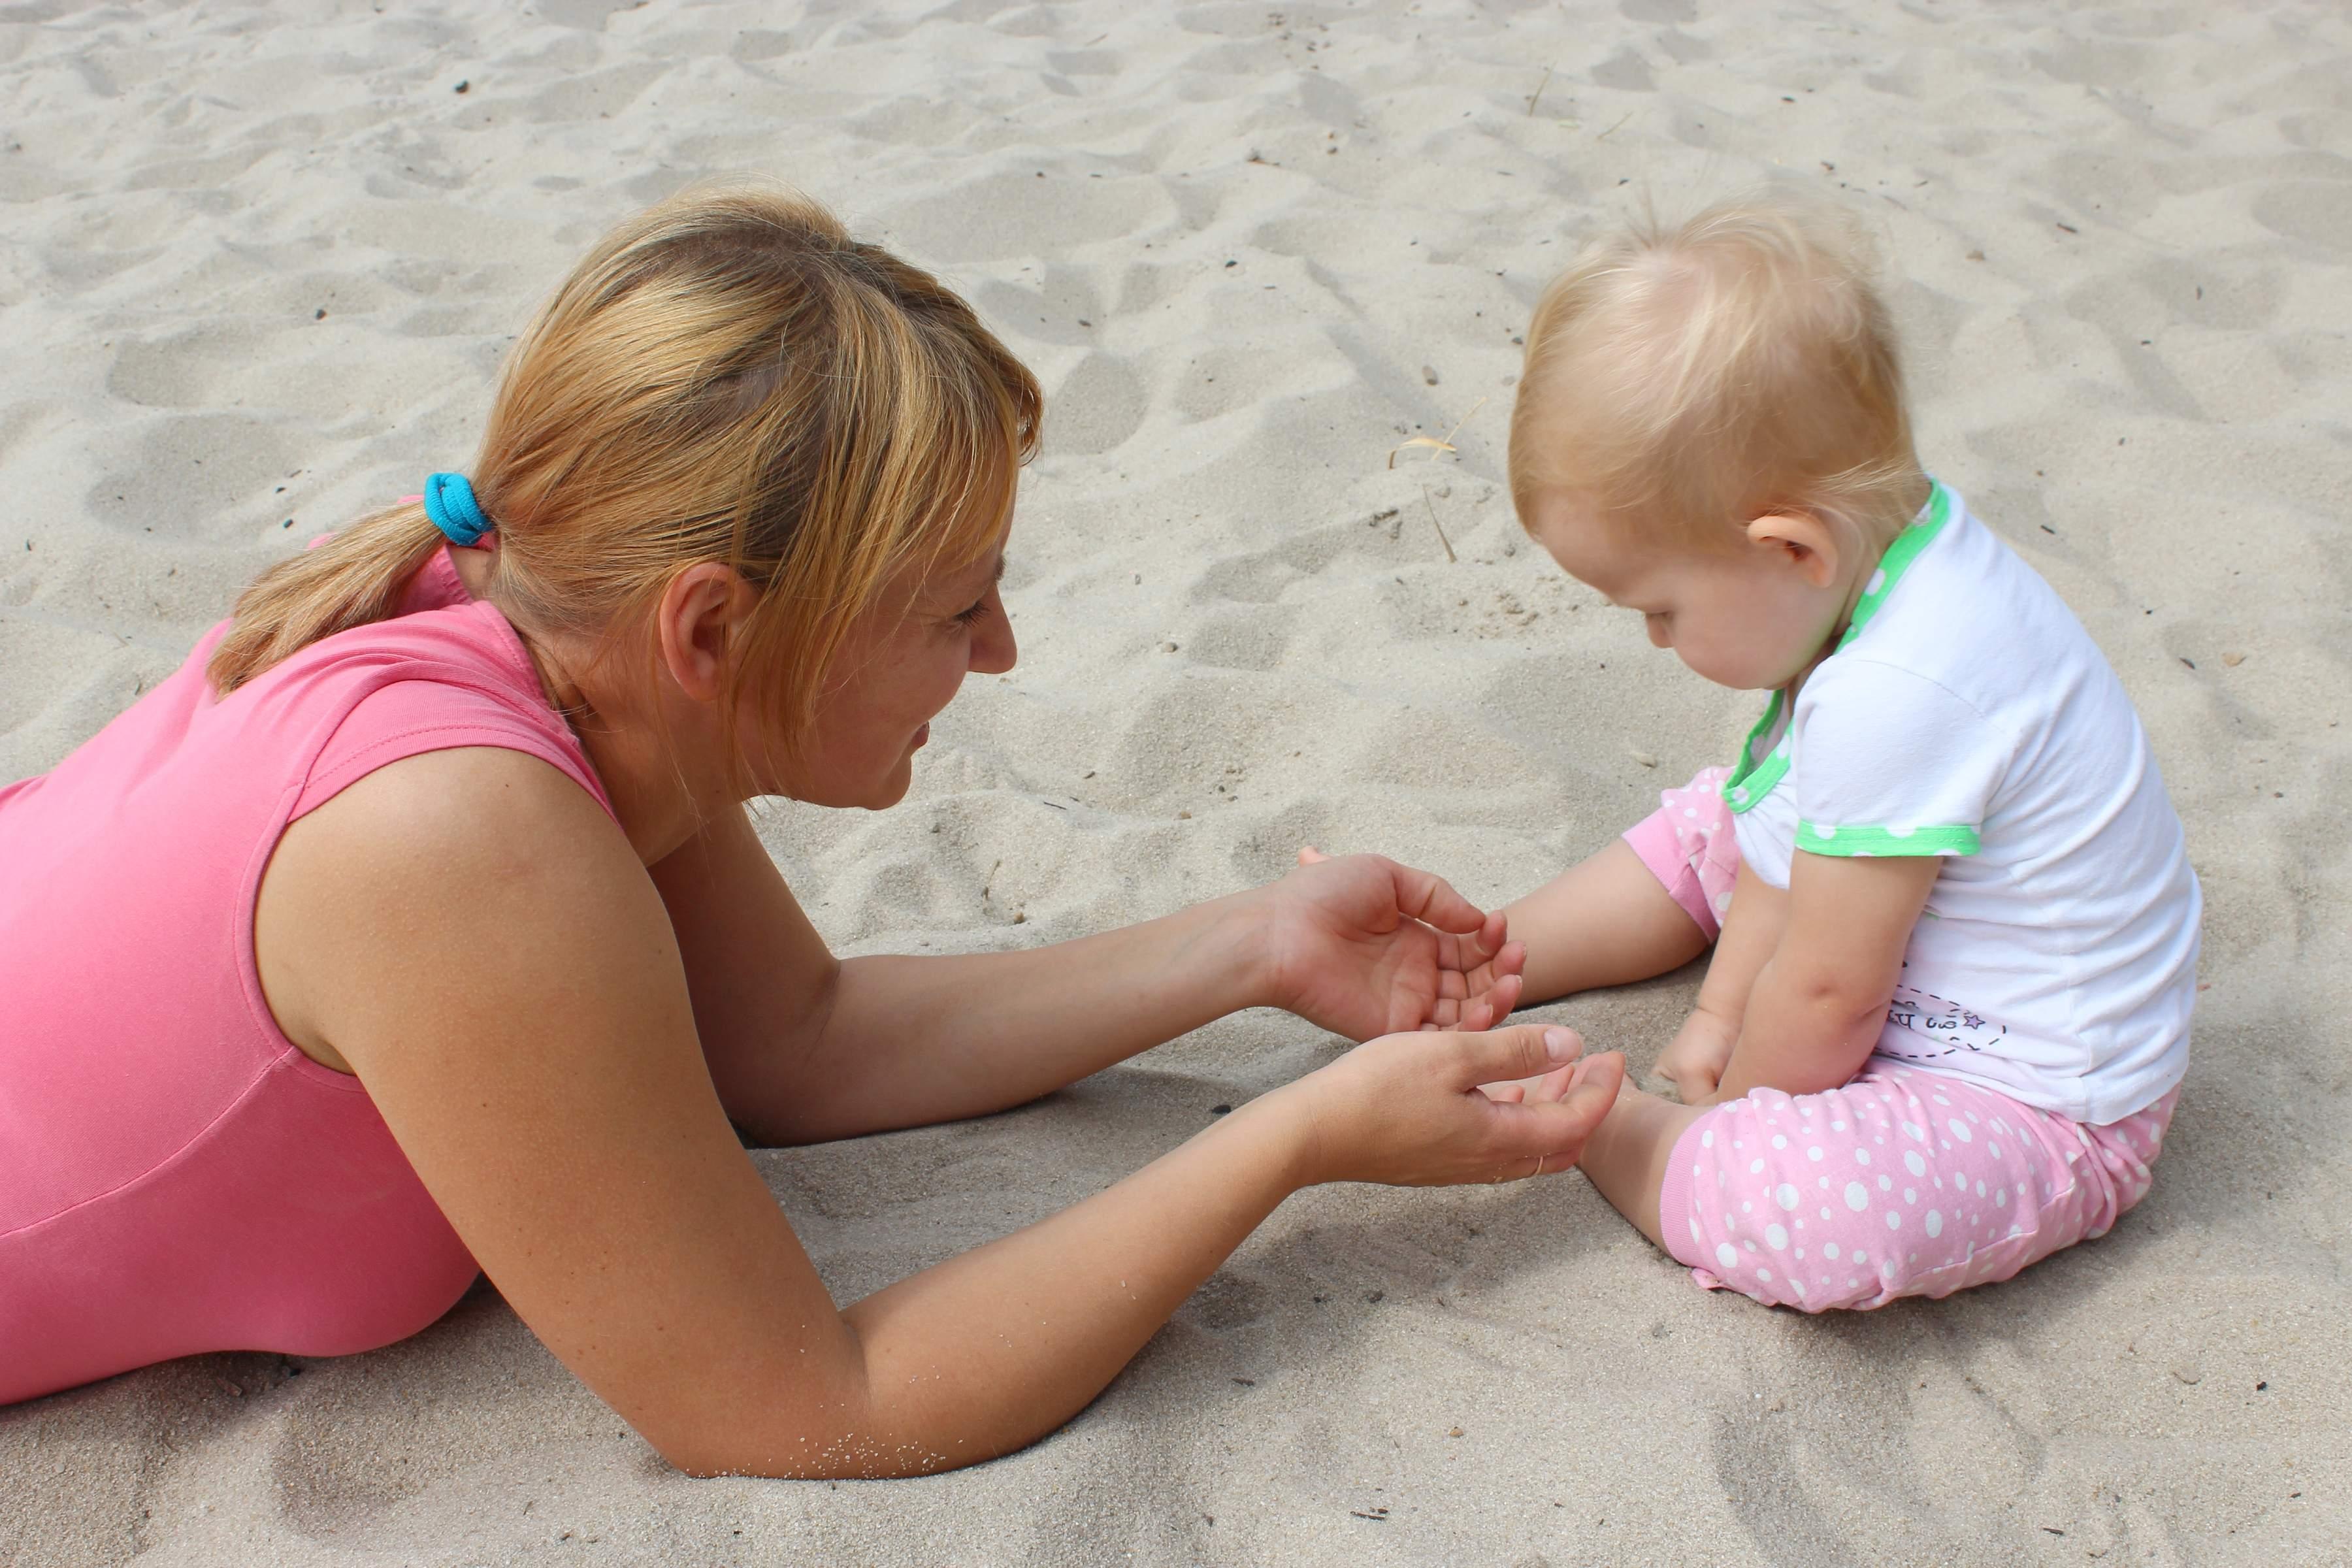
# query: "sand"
{"type": "Point", "coordinates": [260, 262]}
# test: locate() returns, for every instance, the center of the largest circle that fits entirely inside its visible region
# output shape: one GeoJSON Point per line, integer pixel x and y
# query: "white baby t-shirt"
{"type": "Point", "coordinates": [1968, 714]}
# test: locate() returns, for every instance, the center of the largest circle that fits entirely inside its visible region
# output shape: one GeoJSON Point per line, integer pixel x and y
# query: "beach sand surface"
{"type": "Point", "coordinates": [260, 263]}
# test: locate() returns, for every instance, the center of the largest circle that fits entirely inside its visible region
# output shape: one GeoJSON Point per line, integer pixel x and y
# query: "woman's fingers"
{"type": "Point", "coordinates": [1482, 951]}
{"type": "Point", "coordinates": [1460, 954]}
{"type": "Point", "coordinates": [1525, 1050]}
{"type": "Point", "coordinates": [1311, 856]}
{"type": "Point", "coordinates": [1553, 1084]}
{"type": "Point", "coordinates": [1503, 995]}
{"type": "Point", "coordinates": [1481, 1009]}
{"type": "Point", "coordinates": [1555, 1130]}
{"type": "Point", "coordinates": [1430, 898]}
{"type": "Point", "coordinates": [1460, 1107]}
{"type": "Point", "coordinates": [1550, 1087]}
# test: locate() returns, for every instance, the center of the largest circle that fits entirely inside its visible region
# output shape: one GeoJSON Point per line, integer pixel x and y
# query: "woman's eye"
{"type": "Point", "coordinates": [974, 616]}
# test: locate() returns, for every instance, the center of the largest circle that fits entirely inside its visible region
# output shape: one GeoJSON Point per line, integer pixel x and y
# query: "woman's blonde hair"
{"type": "Point", "coordinates": [1690, 377]}
{"type": "Point", "coordinates": [728, 377]}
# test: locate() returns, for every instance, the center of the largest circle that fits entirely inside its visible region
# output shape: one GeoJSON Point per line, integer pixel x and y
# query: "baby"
{"type": "Point", "coordinates": [1948, 1012]}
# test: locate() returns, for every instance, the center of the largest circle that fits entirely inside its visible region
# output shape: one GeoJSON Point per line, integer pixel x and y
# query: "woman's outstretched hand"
{"type": "Point", "coordinates": [1434, 1109]}
{"type": "Point", "coordinates": [1364, 946]}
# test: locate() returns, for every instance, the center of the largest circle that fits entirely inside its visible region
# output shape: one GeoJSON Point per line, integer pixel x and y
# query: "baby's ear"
{"type": "Point", "coordinates": [1805, 541]}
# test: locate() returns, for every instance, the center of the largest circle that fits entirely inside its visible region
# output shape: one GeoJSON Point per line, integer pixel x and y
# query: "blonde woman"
{"type": "Point", "coordinates": [416, 927]}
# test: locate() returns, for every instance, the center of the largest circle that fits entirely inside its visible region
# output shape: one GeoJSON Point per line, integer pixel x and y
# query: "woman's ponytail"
{"type": "Point", "coordinates": [347, 580]}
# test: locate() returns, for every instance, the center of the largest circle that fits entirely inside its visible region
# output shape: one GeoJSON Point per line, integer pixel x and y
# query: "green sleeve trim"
{"type": "Point", "coordinates": [1861, 840]}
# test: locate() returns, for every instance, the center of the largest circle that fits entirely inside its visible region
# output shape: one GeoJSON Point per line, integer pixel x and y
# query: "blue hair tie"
{"type": "Point", "coordinates": [449, 502]}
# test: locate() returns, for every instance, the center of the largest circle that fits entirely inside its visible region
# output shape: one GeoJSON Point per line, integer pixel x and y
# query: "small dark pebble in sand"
{"type": "Point", "coordinates": [319, 315]}
{"type": "Point", "coordinates": [2260, 1387]}
{"type": "Point", "coordinates": [461, 86]}
{"type": "Point", "coordinates": [1246, 1382]}
{"type": "Point", "coordinates": [1375, 1295]}
{"type": "Point", "coordinates": [1220, 1111]}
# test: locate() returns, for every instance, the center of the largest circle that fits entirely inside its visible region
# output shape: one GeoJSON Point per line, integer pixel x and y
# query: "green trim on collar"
{"type": "Point", "coordinates": [1899, 555]}
{"type": "Point", "coordinates": [1753, 777]}
{"type": "Point", "coordinates": [1861, 841]}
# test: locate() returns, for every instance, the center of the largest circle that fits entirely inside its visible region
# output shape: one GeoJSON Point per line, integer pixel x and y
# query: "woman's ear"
{"type": "Point", "coordinates": [1804, 540]}
{"type": "Point", "coordinates": [695, 626]}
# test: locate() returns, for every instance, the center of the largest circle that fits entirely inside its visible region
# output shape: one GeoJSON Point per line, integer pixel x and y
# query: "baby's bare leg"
{"type": "Point", "coordinates": [1626, 1155]}
{"type": "Point", "coordinates": [1605, 921]}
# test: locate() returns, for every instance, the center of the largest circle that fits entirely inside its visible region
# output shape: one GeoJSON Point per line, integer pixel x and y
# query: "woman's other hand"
{"type": "Point", "coordinates": [1364, 946]}
{"type": "Point", "coordinates": [1437, 1109]}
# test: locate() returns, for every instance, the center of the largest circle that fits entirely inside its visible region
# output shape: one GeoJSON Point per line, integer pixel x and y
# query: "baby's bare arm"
{"type": "Point", "coordinates": [1819, 998]}
{"type": "Point", "coordinates": [1700, 1052]}
{"type": "Point", "coordinates": [1605, 921]}
{"type": "Point", "coordinates": [1752, 929]}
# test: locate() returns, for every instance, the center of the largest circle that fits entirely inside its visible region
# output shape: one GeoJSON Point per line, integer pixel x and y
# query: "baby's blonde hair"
{"type": "Point", "coordinates": [1690, 377]}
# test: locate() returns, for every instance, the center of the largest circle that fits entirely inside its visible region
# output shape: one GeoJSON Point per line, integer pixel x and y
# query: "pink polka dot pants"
{"type": "Point", "coordinates": [1689, 847]}
{"type": "Point", "coordinates": [1904, 1182]}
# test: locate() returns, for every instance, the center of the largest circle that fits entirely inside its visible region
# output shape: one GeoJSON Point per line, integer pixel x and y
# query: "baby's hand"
{"type": "Point", "coordinates": [1695, 1060]}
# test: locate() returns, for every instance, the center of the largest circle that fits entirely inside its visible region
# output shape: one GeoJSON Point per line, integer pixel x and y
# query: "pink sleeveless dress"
{"type": "Point", "coordinates": [175, 1176]}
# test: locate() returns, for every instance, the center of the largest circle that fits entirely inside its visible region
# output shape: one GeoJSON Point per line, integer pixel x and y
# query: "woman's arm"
{"type": "Point", "coordinates": [803, 1047]}
{"type": "Point", "coordinates": [474, 936]}
{"type": "Point", "coordinates": [1819, 998]}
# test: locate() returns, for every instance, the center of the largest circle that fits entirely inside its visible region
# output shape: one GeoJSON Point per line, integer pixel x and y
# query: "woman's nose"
{"type": "Point", "coordinates": [995, 650]}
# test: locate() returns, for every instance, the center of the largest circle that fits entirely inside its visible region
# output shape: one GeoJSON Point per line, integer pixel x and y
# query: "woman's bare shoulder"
{"type": "Point", "coordinates": [460, 861]}
{"type": "Point", "coordinates": [477, 939]}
